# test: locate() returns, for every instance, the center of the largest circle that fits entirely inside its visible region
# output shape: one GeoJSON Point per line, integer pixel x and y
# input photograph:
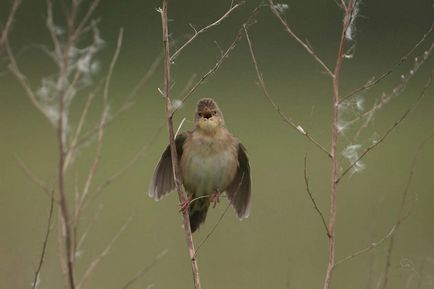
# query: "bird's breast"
{"type": "Point", "coordinates": [208, 166]}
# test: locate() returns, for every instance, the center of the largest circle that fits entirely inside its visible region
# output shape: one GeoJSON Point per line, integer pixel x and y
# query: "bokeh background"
{"type": "Point", "coordinates": [282, 244]}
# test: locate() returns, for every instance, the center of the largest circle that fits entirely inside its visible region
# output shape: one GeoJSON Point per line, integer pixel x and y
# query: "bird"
{"type": "Point", "coordinates": [212, 162]}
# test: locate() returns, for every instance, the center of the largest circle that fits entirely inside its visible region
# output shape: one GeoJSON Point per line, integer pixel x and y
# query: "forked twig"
{"type": "Point", "coordinates": [224, 55]}
{"type": "Point", "coordinates": [204, 29]}
{"type": "Point", "coordinates": [374, 81]}
{"type": "Point", "coordinates": [286, 119]}
{"type": "Point", "coordinates": [386, 134]}
{"type": "Point", "coordinates": [305, 45]}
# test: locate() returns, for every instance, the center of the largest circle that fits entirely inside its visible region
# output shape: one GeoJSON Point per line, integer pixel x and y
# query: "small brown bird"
{"type": "Point", "coordinates": [212, 161]}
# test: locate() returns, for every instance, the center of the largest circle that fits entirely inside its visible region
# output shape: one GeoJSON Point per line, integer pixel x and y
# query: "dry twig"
{"type": "Point", "coordinates": [306, 180]}
{"type": "Point", "coordinates": [395, 124]}
{"type": "Point", "coordinates": [286, 119]}
{"type": "Point", "coordinates": [401, 213]}
{"type": "Point", "coordinates": [175, 163]}
{"type": "Point", "coordinates": [304, 44]}
{"type": "Point", "coordinates": [101, 256]}
{"type": "Point", "coordinates": [44, 244]}
{"type": "Point", "coordinates": [204, 29]}
{"type": "Point", "coordinates": [4, 31]}
{"type": "Point", "coordinates": [144, 270]}
{"type": "Point", "coordinates": [224, 55]}
{"type": "Point", "coordinates": [376, 80]}
{"type": "Point", "coordinates": [347, 20]}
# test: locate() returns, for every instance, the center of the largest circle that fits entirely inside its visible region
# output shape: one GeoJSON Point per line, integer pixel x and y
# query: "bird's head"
{"type": "Point", "coordinates": [208, 117]}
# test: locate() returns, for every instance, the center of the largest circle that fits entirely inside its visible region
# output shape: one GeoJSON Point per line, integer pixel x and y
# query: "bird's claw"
{"type": "Point", "coordinates": [215, 198]}
{"type": "Point", "coordinates": [184, 205]}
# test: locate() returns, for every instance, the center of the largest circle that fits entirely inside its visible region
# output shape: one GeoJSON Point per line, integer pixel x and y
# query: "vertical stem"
{"type": "Point", "coordinates": [62, 198]}
{"type": "Point", "coordinates": [334, 162]}
{"type": "Point", "coordinates": [175, 163]}
{"type": "Point", "coordinates": [61, 139]}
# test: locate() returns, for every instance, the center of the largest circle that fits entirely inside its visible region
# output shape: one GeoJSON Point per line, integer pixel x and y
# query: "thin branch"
{"type": "Point", "coordinates": [222, 57]}
{"type": "Point", "coordinates": [44, 244]}
{"type": "Point", "coordinates": [70, 152]}
{"type": "Point", "coordinates": [22, 79]}
{"type": "Point", "coordinates": [213, 228]}
{"type": "Point", "coordinates": [368, 248]}
{"type": "Point", "coordinates": [144, 270]}
{"type": "Point", "coordinates": [175, 162]}
{"type": "Point", "coordinates": [102, 255]}
{"type": "Point", "coordinates": [101, 130]}
{"type": "Point", "coordinates": [305, 45]}
{"type": "Point", "coordinates": [401, 213]}
{"type": "Point", "coordinates": [286, 119]}
{"type": "Point", "coordinates": [8, 25]}
{"type": "Point", "coordinates": [395, 124]}
{"type": "Point", "coordinates": [320, 214]}
{"type": "Point", "coordinates": [374, 81]}
{"type": "Point", "coordinates": [131, 162]}
{"type": "Point", "coordinates": [347, 19]}
{"type": "Point", "coordinates": [386, 98]}
{"type": "Point", "coordinates": [81, 26]}
{"type": "Point", "coordinates": [40, 183]}
{"type": "Point", "coordinates": [204, 29]}
{"type": "Point", "coordinates": [87, 230]}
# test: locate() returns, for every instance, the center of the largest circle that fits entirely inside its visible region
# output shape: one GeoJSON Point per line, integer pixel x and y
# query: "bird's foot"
{"type": "Point", "coordinates": [215, 198]}
{"type": "Point", "coordinates": [184, 204]}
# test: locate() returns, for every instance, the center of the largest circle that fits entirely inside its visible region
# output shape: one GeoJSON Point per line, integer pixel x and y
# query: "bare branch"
{"type": "Point", "coordinates": [83, 236]}
{"type": "Point", "coordinates": [386, 134]}
{"type": "Point", "coordinates": [368, 248]}
{"type": "Point", "coordinates": [144, 270]}
{"type": "Point", "coordinates": [376, 80]}
{"type": "Point", "coordinates": [4, 32]}
{"type": "Point", "coordinates": [286, 119]}
{"type": "Point", "coordinates": [40, 183]}
{"type": "Point", "coordinates": [401, 213]}
{"type": "Point", "coordinates": [222, 57]}
{"type": "Point", "coordinates": [175, 163]}
{"type": "Point", "coordinates": [305, 45]}
{"type": "Point", "coordinates": [347, 19]}
{"type": "Point", "coordinates": [102, 255]}
{"type": "Point", "coordinates": [213, 228]}
{"type": "Point", "coordinates": [81, 26]}
{"type": "Point", "coordinates": [131, 162]}
{"type": "Point", "coordinates": [44, 244]}
{"type": "Point", "coordinates": [306, 180]}
{"type": "Point", "coordinates": [22, 79]}
{"type": "Point", "coordinates": [204, 29]}
{"type": "Point", "coordinates": [386, 98]}
{"type": "Point", "coordinates": [70, 152]}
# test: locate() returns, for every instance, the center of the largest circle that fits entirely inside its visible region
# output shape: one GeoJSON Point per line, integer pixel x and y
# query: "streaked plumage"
{"type": "Point", "coordinates": [211, 161]}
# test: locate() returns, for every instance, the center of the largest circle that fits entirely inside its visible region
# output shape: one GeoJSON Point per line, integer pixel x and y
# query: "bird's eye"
{"type": "Point", "coordinates": [199, 114]}
{"type": "Point", "coordinates": [214, 112]}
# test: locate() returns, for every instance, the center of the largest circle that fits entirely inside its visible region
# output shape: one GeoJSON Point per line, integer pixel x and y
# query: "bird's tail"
{"type": "Point", "coordinates": [197, 212]}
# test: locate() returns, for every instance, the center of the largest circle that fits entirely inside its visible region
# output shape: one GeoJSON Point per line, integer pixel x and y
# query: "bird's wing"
{"type": "Point", "coordinates": [239, 190]}
{"type": "Point", "coordinates": [163, 181]}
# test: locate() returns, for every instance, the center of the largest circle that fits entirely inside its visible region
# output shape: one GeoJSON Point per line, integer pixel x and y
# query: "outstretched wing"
{"type": "Point", "coordinates": [162, 181]}
{"type": "Point", "coordinates": [238, 191]}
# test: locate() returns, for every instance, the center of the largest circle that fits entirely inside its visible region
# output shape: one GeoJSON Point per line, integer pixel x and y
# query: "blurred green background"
{"type": "Point", "coordinates": [282, 244]}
